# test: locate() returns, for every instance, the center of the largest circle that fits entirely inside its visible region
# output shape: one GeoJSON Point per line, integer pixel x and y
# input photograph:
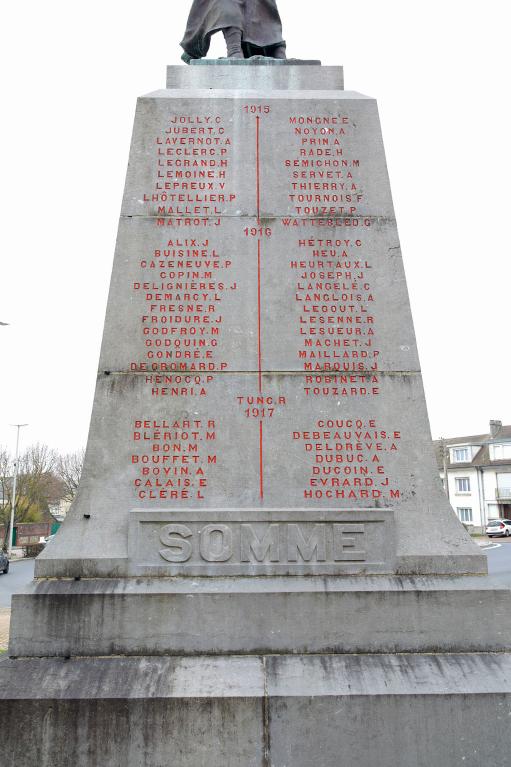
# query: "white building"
{"type": "Point", "coordinates": [478, 469]}
{"type": "Point", "coordinates": [59, 509]}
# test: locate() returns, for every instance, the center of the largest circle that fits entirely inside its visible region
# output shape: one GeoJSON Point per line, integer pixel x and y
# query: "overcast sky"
{"type": "Point", "coordinates": [71, 74]}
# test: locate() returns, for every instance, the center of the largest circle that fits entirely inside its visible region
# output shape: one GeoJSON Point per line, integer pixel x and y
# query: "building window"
{"type": "Point", "coordinates": [464, 514]}
{"type": "Point", "coordinates": [500, 452]}
{"type": "Point", "coordinates": [461, 455]}
{"type": "Point", "coordinates": [462, 484]}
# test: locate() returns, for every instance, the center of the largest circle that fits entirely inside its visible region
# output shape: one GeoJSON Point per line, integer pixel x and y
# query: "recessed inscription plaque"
{"type": "Point", "coordinates": [255, 542]}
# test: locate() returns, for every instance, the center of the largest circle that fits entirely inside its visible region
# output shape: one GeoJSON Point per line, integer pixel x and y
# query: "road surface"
{"type": "Point", "coordinates": [20, 573]}
{"type": "Point", "coordinates": [499, 560]}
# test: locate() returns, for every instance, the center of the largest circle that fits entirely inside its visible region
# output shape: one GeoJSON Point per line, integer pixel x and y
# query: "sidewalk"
{"type": "Point", "coordinates": [16, 554]}
{"type": "Point", "coordinates": [5, 619]}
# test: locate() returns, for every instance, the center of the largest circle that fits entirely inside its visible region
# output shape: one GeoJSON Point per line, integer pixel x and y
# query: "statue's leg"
{"type": "Point", "coordinates": [279, 52]}
{"type": "Point", "coordinates": [233, 41]}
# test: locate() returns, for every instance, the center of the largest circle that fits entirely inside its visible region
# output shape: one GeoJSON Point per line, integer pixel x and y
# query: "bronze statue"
{"type": "Point", "coordinates": [250, 27]}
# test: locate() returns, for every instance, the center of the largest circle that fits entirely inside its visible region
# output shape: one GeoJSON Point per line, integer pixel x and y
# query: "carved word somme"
{"type": "Point", "coordinates": [274, 542]}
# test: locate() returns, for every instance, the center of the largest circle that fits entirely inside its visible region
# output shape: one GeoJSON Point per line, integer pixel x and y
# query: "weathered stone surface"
{"type": "Point", "coordinates": [391, 710]}
{"type": "Point", "coordinates": [184, 616]}
{"type": "Point", "coordinates": [256, 74]}
{"type": "Point", "coordinates": [141, 713]}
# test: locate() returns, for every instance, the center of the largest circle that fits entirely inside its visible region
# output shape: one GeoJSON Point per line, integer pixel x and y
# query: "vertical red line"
{"type": "Point", "coordinates": [261, 487]}
{"type": "Point", "coordinates": [259, 315]}
{"type": "Point", "coordinates": [258, 203]}
{"type": "Point", "coordinates": [257, 173]}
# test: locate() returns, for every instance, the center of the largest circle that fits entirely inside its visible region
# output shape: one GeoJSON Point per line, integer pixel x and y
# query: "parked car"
{"type": "Point", "coordinates": [498, 527]}
{"type": "Point", "coordinates": [4, 562]}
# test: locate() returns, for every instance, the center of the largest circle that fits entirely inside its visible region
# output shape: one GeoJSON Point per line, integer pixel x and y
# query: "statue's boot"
{"type": "Point", "coordinates": [279, 52]}
{"type": "Point", "coordinates": [232, 37]}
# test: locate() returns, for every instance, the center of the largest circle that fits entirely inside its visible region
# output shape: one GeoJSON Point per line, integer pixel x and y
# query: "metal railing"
{"type": "Point", "coordinates": [503, 493]}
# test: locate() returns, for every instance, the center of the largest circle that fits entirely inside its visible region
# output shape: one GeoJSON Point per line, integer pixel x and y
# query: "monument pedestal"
{"type": "Point", "coordinates": [260, 567]}
{"type": "Point", "coordinates": [406, 710]}
{"type": "Point", "coordinates": [221, 616]}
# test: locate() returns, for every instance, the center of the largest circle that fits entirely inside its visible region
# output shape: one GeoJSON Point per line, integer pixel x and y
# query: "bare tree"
{"type": "Point", "coordinates": [5, 469]}
{"type": "Point", "coordinates": [69, 469]}
{"type": "Point", "coordinates": [35, 484]}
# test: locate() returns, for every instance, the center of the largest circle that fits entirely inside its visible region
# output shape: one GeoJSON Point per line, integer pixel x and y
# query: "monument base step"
{"type": "Point", "coordinates": [194, 616]}
{"type": "Point", "coordinates": [284, 711]}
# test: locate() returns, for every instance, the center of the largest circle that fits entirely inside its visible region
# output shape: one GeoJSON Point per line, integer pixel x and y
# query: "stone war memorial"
{"type": "Point", "coordinates": [260, 568]}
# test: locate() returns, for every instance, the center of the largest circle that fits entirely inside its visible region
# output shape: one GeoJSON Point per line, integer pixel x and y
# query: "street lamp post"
{"type": "Point", "coordinates": [445, 462]}
{"type": "Point", "coordinates": [14, 480]}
